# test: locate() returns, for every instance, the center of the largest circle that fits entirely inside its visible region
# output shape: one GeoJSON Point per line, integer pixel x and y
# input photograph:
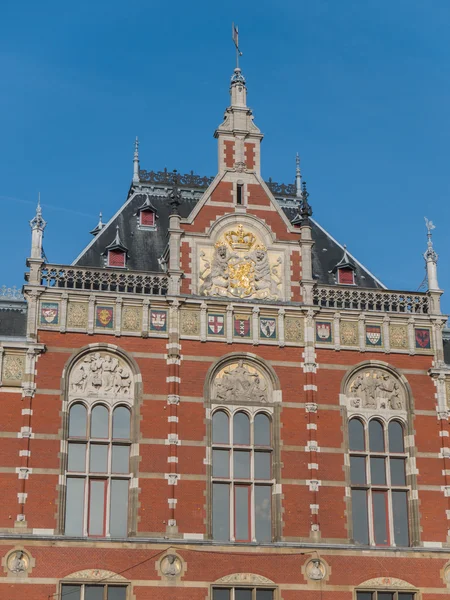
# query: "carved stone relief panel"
{"type": "Point", "coordinates": [101, 375]}
{"type": "Point", "coordinates": [13, 369]}
{"type": "Point", "coordinates": [190, 322]}
{"type": "Point", "coordinates": [294, 329]}
{"type": "Point", "coordinates": [375, 389]}
{"type": "Point", "coordinates": [77, 315]}
{"type": "Point", "coordinates": [18, 562]}
{"type": "Point", "coordinates": [241, 382]}
{"type": "Point", "coordinates": [398, 335]}
{"type": "Point", "coordinates": [131, 318]}
{"type": "Point", "coordinates": [349, 333]}
{"type": "Point", "coordinates": [240, 266]}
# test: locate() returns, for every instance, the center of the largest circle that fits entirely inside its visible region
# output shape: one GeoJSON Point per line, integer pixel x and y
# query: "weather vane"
{"type": "Point", "coordinates": [429, 225]}
{"type": "Point", "coordinates": [235, 35]}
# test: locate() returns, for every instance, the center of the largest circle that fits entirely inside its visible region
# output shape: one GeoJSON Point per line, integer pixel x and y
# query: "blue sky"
{"type": "Point", "coordinates": [361, 89]}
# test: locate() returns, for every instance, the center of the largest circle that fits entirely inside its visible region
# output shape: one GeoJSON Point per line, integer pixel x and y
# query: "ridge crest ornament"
{"type": "Point", "coordinates": [239, 268]}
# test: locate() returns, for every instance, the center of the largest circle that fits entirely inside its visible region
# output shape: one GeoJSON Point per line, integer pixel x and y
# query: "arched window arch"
{"type": "Point", "coordinates": [99, 435]}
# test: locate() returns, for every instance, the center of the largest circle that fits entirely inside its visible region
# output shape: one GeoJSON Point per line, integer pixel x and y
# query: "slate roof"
{"type": "Point", "coordinates": [446, 341]}
{"type": "Point", "coordinates": [146, 246]}
{"type": "Point", "coordinates": [13, 319]}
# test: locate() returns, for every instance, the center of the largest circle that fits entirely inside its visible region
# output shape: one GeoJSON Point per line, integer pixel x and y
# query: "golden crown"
{"type": "Point", "coordinates": [220, 244]}
{"type": "Point", "coordinates": [240, 239]}
{"type": "Point", "coordinates": [260, 247]}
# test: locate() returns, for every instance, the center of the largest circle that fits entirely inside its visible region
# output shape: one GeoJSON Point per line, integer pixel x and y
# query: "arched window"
{"type": "Point", "coordinates": [378, 482]}
{"type": "Point", "coordinates": [98, 471]}
{"type": "Point", "coordinates": [242, 476]}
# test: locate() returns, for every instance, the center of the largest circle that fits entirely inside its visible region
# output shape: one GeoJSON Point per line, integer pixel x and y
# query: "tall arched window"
{"type": "Point", "coordinates": [97, 469]}
{"type": "Point", "coordinates": [378, 482]}
{"type": "Point", "coordinates": [242, 476]}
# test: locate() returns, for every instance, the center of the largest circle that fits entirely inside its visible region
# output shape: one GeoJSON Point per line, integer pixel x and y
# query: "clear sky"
{"type": "Point", "coordinates": [360, 88]}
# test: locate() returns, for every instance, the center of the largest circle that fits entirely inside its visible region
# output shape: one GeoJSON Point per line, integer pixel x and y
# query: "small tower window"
{"type": "Point", "coordinates": [346, 276]}
{"type": "Point", "coordinates": [239, 193]}
{"type": "Point", "coordinates": [147, 218]}
{"type": "Point", "coordinates": [116, 258]}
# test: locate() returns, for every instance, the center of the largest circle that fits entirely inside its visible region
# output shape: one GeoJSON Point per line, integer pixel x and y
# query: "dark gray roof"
{"type": "Point", "coordinates": [446, 340]}
{"type": "Point", "coordinates": [13, 319]}
{"type": "Point", "coordinates": [146, 246]}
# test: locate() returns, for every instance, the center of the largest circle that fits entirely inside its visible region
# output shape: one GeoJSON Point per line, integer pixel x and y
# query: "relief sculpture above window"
{"type": "Point", "coordinates": [375, 389]}
{"type": "Point", "coordinates": [101, 374]}
{"type": "Point", "coordinates": [237, 266]}
{"type": "Point", "coordinates": [240, 382]}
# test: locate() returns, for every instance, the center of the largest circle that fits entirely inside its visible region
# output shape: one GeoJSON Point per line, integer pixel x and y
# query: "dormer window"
{"type": "Point", "coordinates": [147, 218]}
{"type": "Point", "coordinates": [346, 276]}
{"type": "Point", "coordinates": [116, 258]}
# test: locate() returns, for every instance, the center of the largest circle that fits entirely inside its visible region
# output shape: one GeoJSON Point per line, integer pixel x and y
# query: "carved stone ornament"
{"type": "Point", "coordinates": [95, 575]}
{"type": "Point", "coordinates": [386, 582]}
{"type": "Point", "coordinates": [101, 375]}
{"type": "Point", "coordinates": [293, 329]}
{"type": "Point", "coordinates": [349, 333]}
{"type": "Point", "coordinates": [13, 368]}
{"type": "Point", "coordinates": [171, 566]}
{"type": "Point", "coordinates": [131, 318]}
{"type": "Point", "coordinates": [245, 578]}
{"type": "Point", "coordinates": [189, 322]}
{"type": "Point", "coordinates": [375, 389]}
{"type": "Point", "coordinates": [239, 267]}
{"type": "Point", "coordinates": [240, 382]}
{"type": "Point", "coordinates": [77, 315]}
{"type": "Point", "coordinates": [18, 563]}
{"type": "Point", "coordinates": [398, 337]}
{"type": "Point", "coordinates": [446, 574]}
{"type": "Point", "coordinates": [315, 569]}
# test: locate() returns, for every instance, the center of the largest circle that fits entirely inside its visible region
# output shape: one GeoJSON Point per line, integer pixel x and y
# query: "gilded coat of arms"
{"type": "Point", "coordinates": [239, 267]}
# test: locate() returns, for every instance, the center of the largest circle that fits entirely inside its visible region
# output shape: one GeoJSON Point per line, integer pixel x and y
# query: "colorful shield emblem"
{"type": "Point", "coordinates": [104, 317]}
{"type": "Point", "coordinates": [216, 324]}
{"type": "Point", "coordinates": [423, 338]}
{"type": "Point", "coordinates": [268, 328]}
{"type": "Point", "coordinates": [373, 335]}
{"type": "Point", "coordinates": [323, 331]}
{"type": "Point", "coordinates": [158, 320]}
{"type": "Point", "coordinates": [242, 325]}
{"type": "Point", "coordinates": [49, 313]}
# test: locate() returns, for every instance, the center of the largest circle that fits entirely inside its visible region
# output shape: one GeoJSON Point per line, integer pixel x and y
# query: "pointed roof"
{"type": "Point", "coordinates": [345, 262]}
{"type": "Point", "coordinates": [147, 205]}
{"type": "Point", "coordinates": [38, 222]}
{"type": "Point", "coordinates": [99, 225]}
{"type": "Point", "coordinates": [116, 244]}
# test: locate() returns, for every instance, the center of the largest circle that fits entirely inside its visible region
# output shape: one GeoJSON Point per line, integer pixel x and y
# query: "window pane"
{"type": "Point", "coordinates": [376, 436]}
{"type": "Point", "coordinates": [405, 596]}
{"type": "Point", "coordinates": [93, 592]}
{"type": "Point", "coordinates": [241, 464]}
{"type": "Point", "coordinates": [117, 592]}
{"type": "Point", "coordinates": [261, 427]}
{"type": "Point", "coordinates": [96, 507]}
{"type": "Point", "coordinates": [358, 469]}
{"type": "Point", "coordinates": [264, 594]}
{"type": "Point", "coordinates": [121, 423]}
{"type": "Point", "coordinates": [221, 594]}
{"type": "Point", "coordinates": [364, 595]}
{"type": "Point", "coordinates": [398, 476]}
{"type": "Point", "coordinates": [356, 435]}
{"type": "Point", "coordinates": [262, 465]}
{"type": "Point", "coordinates": [99, 422]}
{"type": "Point", "coordinates": [241, 512]}
{"type": "Point", "coordinates": [77, 421]}
{"type": "Point", "coordinates": [120, 459]}
{"type": "Point", "coordinates": [400, 514]}
{"type": "Point", "coordinates": [221, 511]}
{"type": "Point", "coordinates": [74, 506]}
{"type": "Point", "coordinates": [99, 458]}
{"type": "Point", "coordinates": [378, 471]}
{"type": "Point", "coordinates": [385, 596]}
{"type": "Point", "coordinates": [242, 594]}
{"type": "Point", "coordinates": [220, 428]}
{"type": "Point", "coordinates": [359, 513]}
{"type": "Point", "coordinates": [263, 513]}
{"type": "Point", "coordinates": [118, 519]}
{"type": "Point", "coordinates": [77, 458]}
{"type": "Point", "coordinates": [221, 463]}
{"type": "Point", "coordinates": [380, 518]}
{"type": "Point", "coordinates": [71, 592]}
{"type": "Point", "coordinates": [395, 431]}
{"type": "Point", "coordinates": [241, 424]}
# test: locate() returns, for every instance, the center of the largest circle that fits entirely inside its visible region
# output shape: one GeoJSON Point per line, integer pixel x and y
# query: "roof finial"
{"type": "Point", "coordinates": [305, 208]}
{"type": "Point", "coordinates": [136, 161]}
{"type": "Point", "coordinates": [175, 194]}
{"type": "Point", "coordinates": [298, 177]}
{"type": "Point", "coordinates": [37, 222]}
{"type": "Point", "coordinates": [99, 225]}
{"type": "Point", "coordinates": [37, 225]}
{"type": "Point", "coordinates": [431, 258]}
{"type": "Point", "coordinates": [235, 35]}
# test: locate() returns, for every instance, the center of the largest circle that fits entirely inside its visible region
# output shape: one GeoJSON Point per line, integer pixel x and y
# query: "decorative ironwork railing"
{"type": "Point", "coordinates": [370, 300]}
{"type": "Point", "coordinates": [105, 280]}
{"type": "Point", "coordinates": [281, 189]}
{"type": "Point", "coordinates": [168, 178]}
{"type": "Point", "coordinates": [11, 293]}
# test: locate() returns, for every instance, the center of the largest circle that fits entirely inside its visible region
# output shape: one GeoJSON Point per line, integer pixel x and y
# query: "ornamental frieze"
{"type": "Point", "coordinates": [375, 389]}
{"type": "Point", "coordinates": [13, 369]}
{"type": "Point", "coordinates": [239, 266]}
{"type": "Point", "coordinates": [101, 374]}
{"type": "Point", "coordinates": [240, 382]}
{"type": "Point", "coordinates": [398, 337]}
{"type": "Point", "coordinates": [349, 333]}
{"type": "Point", "coordinates": [131, 318]}
{"type": "Point", "coordinates": [77, 315]}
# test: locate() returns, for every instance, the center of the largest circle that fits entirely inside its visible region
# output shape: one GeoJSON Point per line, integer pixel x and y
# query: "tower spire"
{"type": "Point", "coordinates": [298, 177]}
{"type": "Point", "coordinates": [37, 225]}
{"type": "Point", "coordinates": [136, 161]}
{"type": "Point", "coordinates": [431, 258]}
